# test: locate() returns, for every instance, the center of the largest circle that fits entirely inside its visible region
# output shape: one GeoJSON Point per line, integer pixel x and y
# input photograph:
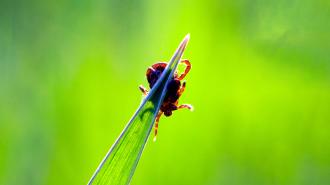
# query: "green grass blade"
{"type": "Point", "coordinates": [119, 164]}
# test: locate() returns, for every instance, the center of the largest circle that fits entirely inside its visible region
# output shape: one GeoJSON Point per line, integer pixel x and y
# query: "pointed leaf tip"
{"type": "Point", "coordinates": [120, 162]}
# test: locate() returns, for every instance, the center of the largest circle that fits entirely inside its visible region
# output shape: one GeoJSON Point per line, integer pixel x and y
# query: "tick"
{"type": "Point", "coordinates": [175, 89]}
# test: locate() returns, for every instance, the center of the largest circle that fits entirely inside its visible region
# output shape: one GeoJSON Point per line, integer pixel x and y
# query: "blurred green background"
{"type": "Point", "coordinates": [260, 85]}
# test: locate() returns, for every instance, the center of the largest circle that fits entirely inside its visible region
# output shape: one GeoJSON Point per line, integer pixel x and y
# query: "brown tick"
{"type": "Point", "coordinates": [174, 89]}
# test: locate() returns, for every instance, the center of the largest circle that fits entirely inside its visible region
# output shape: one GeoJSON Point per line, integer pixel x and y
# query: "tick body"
{"type": "Point", "coordinates": [175, 89]}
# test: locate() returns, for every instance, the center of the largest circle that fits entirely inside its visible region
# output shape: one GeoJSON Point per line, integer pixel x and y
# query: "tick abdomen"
{"type": "Point", "coordinates": [154, 72]}
{"type": "Point", "coordinates": [172, 94]}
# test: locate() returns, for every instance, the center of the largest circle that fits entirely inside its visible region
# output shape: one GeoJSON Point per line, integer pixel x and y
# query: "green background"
{"type": "Point", "coordinates": [260, 85]}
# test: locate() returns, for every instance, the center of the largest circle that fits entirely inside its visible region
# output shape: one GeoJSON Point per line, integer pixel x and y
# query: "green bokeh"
{"type": "Point", "coordinates": [260, 85]}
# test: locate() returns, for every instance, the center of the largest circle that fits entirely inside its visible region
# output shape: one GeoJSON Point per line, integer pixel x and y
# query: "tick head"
{"type": "Point", "coordinates": [168, 113]}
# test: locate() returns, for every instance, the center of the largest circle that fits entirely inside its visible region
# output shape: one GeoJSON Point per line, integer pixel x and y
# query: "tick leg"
{"type": "Point", "coordinates": [182, 88]}
{"type": "Point", "coordinates": [156, 124]}
{"type": "Point", "coordinates": [188, 67]}
{"type": "Point", "coordinates": [143, 90]}
{"type": "Point", "coordinates": [187, 106]}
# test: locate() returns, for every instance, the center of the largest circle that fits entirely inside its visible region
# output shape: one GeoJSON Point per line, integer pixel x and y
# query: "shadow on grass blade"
{"type": "Point", "coordinates": [119, 164]}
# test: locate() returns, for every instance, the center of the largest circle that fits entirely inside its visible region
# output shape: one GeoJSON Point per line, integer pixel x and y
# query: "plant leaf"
{"type": "Point", "coordinates": [119, 164]}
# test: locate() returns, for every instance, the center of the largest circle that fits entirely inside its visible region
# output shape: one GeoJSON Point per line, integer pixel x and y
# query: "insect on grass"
{"type": "Point", "coordinates": [175, 88]}
{"type": "Point", "coordinates": [119, 164]}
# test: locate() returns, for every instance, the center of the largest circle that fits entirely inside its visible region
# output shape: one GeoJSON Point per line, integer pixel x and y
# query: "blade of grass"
{"type": "Point", "coordinates": [120, 162]}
